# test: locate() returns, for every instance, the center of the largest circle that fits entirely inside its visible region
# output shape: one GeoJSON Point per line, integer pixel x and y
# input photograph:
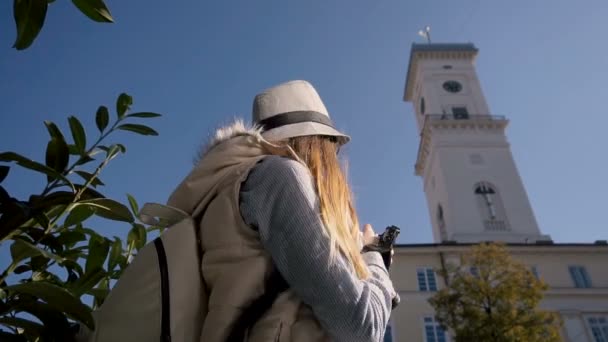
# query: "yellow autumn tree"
{"type": "Point", "coordinates": [492, 297]}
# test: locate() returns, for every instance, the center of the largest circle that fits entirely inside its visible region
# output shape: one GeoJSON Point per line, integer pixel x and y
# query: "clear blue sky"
{"type": "Point", "coordinates": [543, 64]}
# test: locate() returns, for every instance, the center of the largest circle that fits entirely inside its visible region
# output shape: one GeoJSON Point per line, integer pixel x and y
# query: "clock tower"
{"type": "Point", "coordinates": [473, 189]}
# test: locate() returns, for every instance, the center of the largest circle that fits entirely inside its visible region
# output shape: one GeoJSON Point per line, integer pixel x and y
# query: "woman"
{"type": "Point", "coordinates": [276, 197]}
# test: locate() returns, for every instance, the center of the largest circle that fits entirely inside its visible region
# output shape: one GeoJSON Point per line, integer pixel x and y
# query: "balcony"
{"type": "Point", "coordinates": [495, 225]}
{"type": "Point", "coordinates": [464, 116]}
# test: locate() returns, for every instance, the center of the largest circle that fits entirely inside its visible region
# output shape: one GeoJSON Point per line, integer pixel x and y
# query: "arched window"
{"type": "Point", "coordinates": [443, 234]}
{"type": "Point", "coordinates": [422, 105]}
{"type": "Point", "coordinates": [488, 194]}
{"type": "Point", "coordinates": [490, 206]}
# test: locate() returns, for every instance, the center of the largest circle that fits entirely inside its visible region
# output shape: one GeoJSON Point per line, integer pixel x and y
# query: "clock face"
{"type": "Point", "coordinates": [452, 86]}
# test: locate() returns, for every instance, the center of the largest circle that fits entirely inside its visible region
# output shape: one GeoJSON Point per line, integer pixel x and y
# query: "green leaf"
{"type": "Point", "coordinates": [21, 250]}
{"type": "Point", "coordinates": [34, 233]}
{"type": "Point", "coordinates": [74, 266]}
{"type": "Point", "coordinates": [22, 269]}
{"type": "Point", "coordinates": [141, 129]}
{"type": "Point", "coordinates": [42, 219]}
{"type": "Point", "coordinates": [86, 283]}
{"type": "Point", "coordinates": [58, 298]}
{"type": "Point", "coordinates": [71, 237]}
{"type": "Point", "coordinates": [101, 292]}
{"type": "Point", "coordinates": [142, 236]}
{"type": "Point", "coordinates": [133, 204]}
{"type": "Point", "coordinates": [44, 275]}
{"type": "Point", "coordinates": [74, 150]}
{"type": "Point", "coordinates": [52, 243]}
{"type": "Point", "coordinates": [51, 200]}
{"type": "Point", "coordinates": [47, 314]}
{"type": "Point", "coordinates": [122, 263]}
{"type": "Point", "coordinates": [30, 327]}
{"type": "Point", "coordinates": [29, 17]}
{"type": "Point", "coordinates": [115, 254]}
{"type": "Point", "coordinates": [102, 118]}
{"type": "Point", "coordinates": [57, 156]}
{"type": "Point", "coordinates": [54, 131]}
{"type": "Point", "coordinates": [75, 253]}
{"type": "Point", "coordinates": [90, 232]}
{"type": "Point", "coordinates": [3, 172]}
{"type": "Point", "coordinates": [89, 193]}
{"type": "Point", "coordinates": [96, 10]}
{"type": "Point", "coordinates": [84, 159]}
{"type": "Point", "coordinates": [123, 103]}
{"type": "Point", "coordinates": [77, 215]}
{"type": "Point", "coordinates": [108, 208]}
{"type": "Point", "coordinates": [113, 151]}
{"type": "Point", "coordinates": [32, 165]}
{"type": "Point", "coordinates": [12, 337]}
{"type": "Point", "coordinates": [144, 115]}
{"type": "Point", "coordinates": [39, 263]}
{"type": "Point", "coordinates": [98, 252]}
{"type": "Point", "coordinates": [88, 176]}
{"type": "Point", "coordinates": [78, 134]}
{"type": "Point", "coordinates": [98, 292]}
{"type": "Point", "coordinates": [137, 236]}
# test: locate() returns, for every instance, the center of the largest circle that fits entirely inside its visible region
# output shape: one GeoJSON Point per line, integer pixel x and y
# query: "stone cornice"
{"type": "Point", "coordinates": [432, 248]}
{"type": "Point", "coordinates": [574, 291]}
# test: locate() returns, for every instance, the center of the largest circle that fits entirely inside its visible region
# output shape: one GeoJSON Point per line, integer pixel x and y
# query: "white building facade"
{"type": "Point", "coordinates": [474, 194]}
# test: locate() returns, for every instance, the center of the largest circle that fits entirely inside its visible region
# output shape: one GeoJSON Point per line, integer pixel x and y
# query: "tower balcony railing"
{"type": "Point", "coordinates": [496, 225]}
{"type": "Point", "coordinates": [463, 116]}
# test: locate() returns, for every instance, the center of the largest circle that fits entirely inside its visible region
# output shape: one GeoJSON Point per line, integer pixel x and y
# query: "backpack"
{"type": "Point", "coordinates": [161, 295]}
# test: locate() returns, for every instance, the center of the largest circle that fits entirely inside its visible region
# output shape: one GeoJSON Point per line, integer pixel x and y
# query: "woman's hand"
{"type": "Point", "coordinates": [369, 236]}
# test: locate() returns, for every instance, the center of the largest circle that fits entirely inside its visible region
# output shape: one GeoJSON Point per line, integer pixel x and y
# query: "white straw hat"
{"type": "Point", "coordinates": [293, 109]}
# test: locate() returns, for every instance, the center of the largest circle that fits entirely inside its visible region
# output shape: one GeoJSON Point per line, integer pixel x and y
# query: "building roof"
{"type": "Point", "coordinates": [441, 50]}
{"type": "Point", "coordinates": [602, 245]}
{"type": "Point", "coordinates": [543, 243]}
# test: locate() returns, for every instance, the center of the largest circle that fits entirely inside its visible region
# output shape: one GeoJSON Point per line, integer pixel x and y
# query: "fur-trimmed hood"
{"type": "Point", "coordinates": [227, 150]}
{"type": "Point", "coordinates": [236, 129]}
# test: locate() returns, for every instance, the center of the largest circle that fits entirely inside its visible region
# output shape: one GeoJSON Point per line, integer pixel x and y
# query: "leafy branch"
{"type": "Point", "coordinates": [30, 15]}
{"type": "Point", "coordinates": [55, 259]}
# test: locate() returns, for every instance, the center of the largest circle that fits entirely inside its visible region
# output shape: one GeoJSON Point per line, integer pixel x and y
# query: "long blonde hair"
{"type": "Point", "coordinates": [338, 213]}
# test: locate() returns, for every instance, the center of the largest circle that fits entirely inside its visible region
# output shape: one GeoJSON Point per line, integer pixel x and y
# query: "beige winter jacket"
{"type": "Point", "coordinates": [234, 263]}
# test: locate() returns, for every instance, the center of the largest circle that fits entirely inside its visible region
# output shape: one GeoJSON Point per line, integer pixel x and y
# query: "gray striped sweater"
{"type": "Point", "coordinates": [279, 199]}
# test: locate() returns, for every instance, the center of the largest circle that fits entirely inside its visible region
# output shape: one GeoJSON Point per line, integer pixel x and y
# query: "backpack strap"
{"type": "Point", "coordinates": [275, 285]}
{"type": "Point", "coordinates": [165, 328]}
{"type": "Point", "coordinates": [164, 216]}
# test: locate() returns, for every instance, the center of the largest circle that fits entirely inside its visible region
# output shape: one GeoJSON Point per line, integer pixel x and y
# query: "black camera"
{"type": "Point", "coordinates": [385, 241]}
{"type": "Point", "coordinates": [384, 244]}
